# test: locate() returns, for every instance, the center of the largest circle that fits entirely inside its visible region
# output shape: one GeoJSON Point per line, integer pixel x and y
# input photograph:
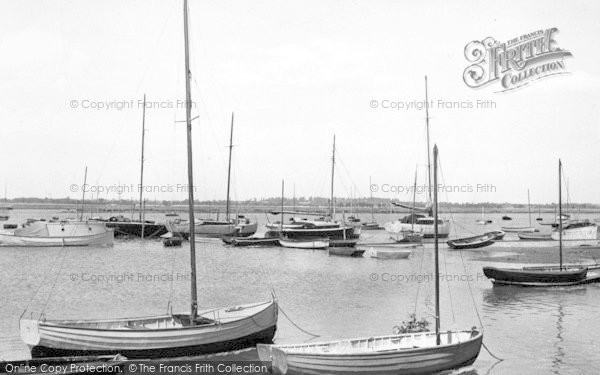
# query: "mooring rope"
{"type": "Point", "coordinates": [296, 325]}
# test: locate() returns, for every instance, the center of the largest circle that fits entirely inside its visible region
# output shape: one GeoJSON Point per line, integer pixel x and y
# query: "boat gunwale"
{"type": "Point", "coordinates": [479, 336]}
{"type": "Point", "coordinates": [56, 323]}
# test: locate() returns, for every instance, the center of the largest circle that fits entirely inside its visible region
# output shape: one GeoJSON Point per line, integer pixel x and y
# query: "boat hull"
{"type": "Point", "coordinates": [472, 242]}
{"type": "Point", "coordinates": [534, 237]}
{"type": "Point", "coordinates": [396, 361]}
{"type": "Point", "coordinates": [231, 329]}
{"type": "Point", "coordinates": [124, 229]}
{"type": "Point", "coordinates": [582, 233]}
{"type": "Point", "coordinates": [215, 230]}
{"type": "Point", "coordinates": [100, 239]}
{"type": "Point", "coordinates": [534, 276]}
{"type": "Point", "coordinates": [426, 229]}
{"type": "Point", "coordinates": [346, 251]}
{"type": "Point", "coordinates": [390, 252]}
{"type": "Point", "coordinates": [305, 244]}
{"type": "Point", "coordinates": [518, 229]}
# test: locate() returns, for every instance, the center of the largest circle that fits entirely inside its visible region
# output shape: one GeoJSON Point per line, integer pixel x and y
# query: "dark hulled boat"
{"type": "Point", "coordinates": [472, 242]}
{"type": "Point", "coordinates": [536, 276]}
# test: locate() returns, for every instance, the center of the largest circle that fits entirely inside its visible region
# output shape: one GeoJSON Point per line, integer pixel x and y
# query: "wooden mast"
{"type": "Point", "coordinates": [529, 207]}
{"type": "Point", "coordinates": [83, 188]}
{"type": "Point", "coordinates": [332, 204]}
{"type": "Point", "coordinates": [435, 235]}
{"type": "Point", "coordinates": [372, 202]}
{"type": "Point", "coordinates": [427, 126]}
{"type": "Point", "coordinates": [282, 192]}
{"type": "Point", "coordinates": [188, 120]}
{"type": "Point", "coordinates": [142, 207]}
{"type": "Point", "coordinates": [560, 226]}
{"type": "Point", "coordinates": [229, 169]}
{"type": "Point", "coordinates": [412, 219]}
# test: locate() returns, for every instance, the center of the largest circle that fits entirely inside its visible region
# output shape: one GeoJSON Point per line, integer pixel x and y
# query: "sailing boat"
{"type": "Point", "coordinates": [240, 227]}
{"type": "Point", "coordinates": [371, 225]}
{"type": "Point", "coordinates": [483, 221]}
{"type": "Point", "coordinates": [522, 229]}
{"type": "Point", "coordinates": [422, 223]}
{"type": "Point", "coordinates": [541, 276]}
{"type": "Point", "coordinates": [166, 335]}
{"type": "Point", "coordinates": [338, 233]}
{"type": "Point", "coordinates": [412, 353]}
{"type": "Point", "coordinates": [539, 218]}
{"type": "Point", "coordinates": [141, 228]}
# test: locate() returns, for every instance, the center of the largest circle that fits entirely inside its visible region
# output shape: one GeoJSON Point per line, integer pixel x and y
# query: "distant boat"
{"type": "Point", "coordinates": [251, 241]}
{"type": "Point", "coordinates": [576, 230]}
{"type": "Point", "coordinates": [483, 221]}
{"type": "Point", "coordinates": [46, 234]}
{"type": "Point", "coordinates": [506, 218]}
{"type": "Point", "coordinates": [346, 251]}
{"type": "Point", "coordinates": [541, 276]}
{"type": "Point", "coordinates": [399, 354]}
{"type": "Point", "coordinates": [391, 251]}
{"type": "Point", "coordinates": [171, 240]}
{"type": "Point", "coordinates": [4, 218]}
{"type": "Point", "coordinates": [171, 213]}
{"type": "Point", "coordinates": [308, 243]}
{"type": "Point", "coordinates": [419, 222]}
{"type": "Point", "coordinates": [474, 242]}
{"type": "Point", "coordinates": [521, 229]}
{"type": "Point", "coordinates": [407, 237]}
{"type": "Point", "coordinates": [539, 218]}
{"type": "Point", "coordinates": [534, 236]}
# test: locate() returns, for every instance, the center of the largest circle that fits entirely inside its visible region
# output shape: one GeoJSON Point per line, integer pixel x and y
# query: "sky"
{"type": "Point", "coordinates": [73, 74]}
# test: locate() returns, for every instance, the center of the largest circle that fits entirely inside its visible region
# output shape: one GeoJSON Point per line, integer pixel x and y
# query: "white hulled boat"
{"type": "Point", "coordinates": [58, 234]}
{"type": "Point", "coordinates": [419, 222]}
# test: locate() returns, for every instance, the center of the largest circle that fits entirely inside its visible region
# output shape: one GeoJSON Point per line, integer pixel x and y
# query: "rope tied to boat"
{"type": "Point", "coordinates": [296, 325]}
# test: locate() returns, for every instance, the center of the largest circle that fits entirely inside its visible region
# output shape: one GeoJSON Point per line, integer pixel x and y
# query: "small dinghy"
{"type": "Point", "coordinates": [472, 242]}
{"type": "Point", "coordinates": [506, 218]}
{"type": "Point", "coordinates": [171, 240]}
{"type": "Point", "coordinates": [343, 243]}
{"type": "Point", "coordinates": [534, 236]}
{"type": "Point", "coordinates": [391, 251]}
{"type": "Point", "coordinates": [251, 241]}
{"type": "Point", "coordinates": [308, 243]}
{"type": "Point", "coordinates": [519, 229]}
{"type": "Point", "coordinates": [346, 251]}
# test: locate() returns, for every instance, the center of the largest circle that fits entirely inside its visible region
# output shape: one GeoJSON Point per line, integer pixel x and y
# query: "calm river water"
{"type": "Point", "coordinates": [535, 331]}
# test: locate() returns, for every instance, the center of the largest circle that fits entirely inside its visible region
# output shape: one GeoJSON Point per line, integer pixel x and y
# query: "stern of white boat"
{"type": "Point", "coordinates": [30, 332]}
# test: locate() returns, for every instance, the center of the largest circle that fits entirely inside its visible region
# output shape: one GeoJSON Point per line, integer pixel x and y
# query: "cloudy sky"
{"type": "Point", "coordinates": [295, 74]}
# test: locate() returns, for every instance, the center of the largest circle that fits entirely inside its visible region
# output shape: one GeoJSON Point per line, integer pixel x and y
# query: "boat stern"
{"type": "Point", "coordinates": [30, 332]}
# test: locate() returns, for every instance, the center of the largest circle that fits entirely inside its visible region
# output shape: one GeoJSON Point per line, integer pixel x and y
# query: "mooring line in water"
{"type": "Point", "coordinates": [490, 353]}
{"type": "Point", "coordinates": [296, 325]}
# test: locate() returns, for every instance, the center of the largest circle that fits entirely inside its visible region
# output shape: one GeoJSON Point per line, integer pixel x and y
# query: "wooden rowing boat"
{"type": "Point", "coordinates": [381, 355]}
{"type": "Point", "coordinates": [474, 242]}
{"type": "Point", "coordinates": [539, 276]}
{"type": "Point", "coordinates": [308, 243]}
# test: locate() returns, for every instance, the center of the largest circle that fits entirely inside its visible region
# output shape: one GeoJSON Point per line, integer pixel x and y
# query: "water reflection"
{"type": "Point", "coordinates": [533, 307]}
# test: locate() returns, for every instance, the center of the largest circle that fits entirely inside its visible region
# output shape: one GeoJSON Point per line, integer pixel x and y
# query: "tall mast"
{"type": "Point", "coordinates": [414, 202]}
{"type": "Point", "coordinates": [435, 235]}
{"type": "Point", "coordinates": [142, 213]}
{"type": "Point", "coordinates": [529, 207]}
{"type": "Point", "coordinates": [427, 126]}
{"type": "Point", "coordinates": [188, 120]}
{"type": "Point", "coordinates": [229, 169]}
{"type": "Point", "coordinates": [83, 188]}
{"type": "Point", "coordinates": [332, 204]}
{"type": "Point", "coordinates": [282, 192]}
{"type": "Point", "coordinates": [372, 203]}
{"type": "Point", "coordinates": [560, 213]}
